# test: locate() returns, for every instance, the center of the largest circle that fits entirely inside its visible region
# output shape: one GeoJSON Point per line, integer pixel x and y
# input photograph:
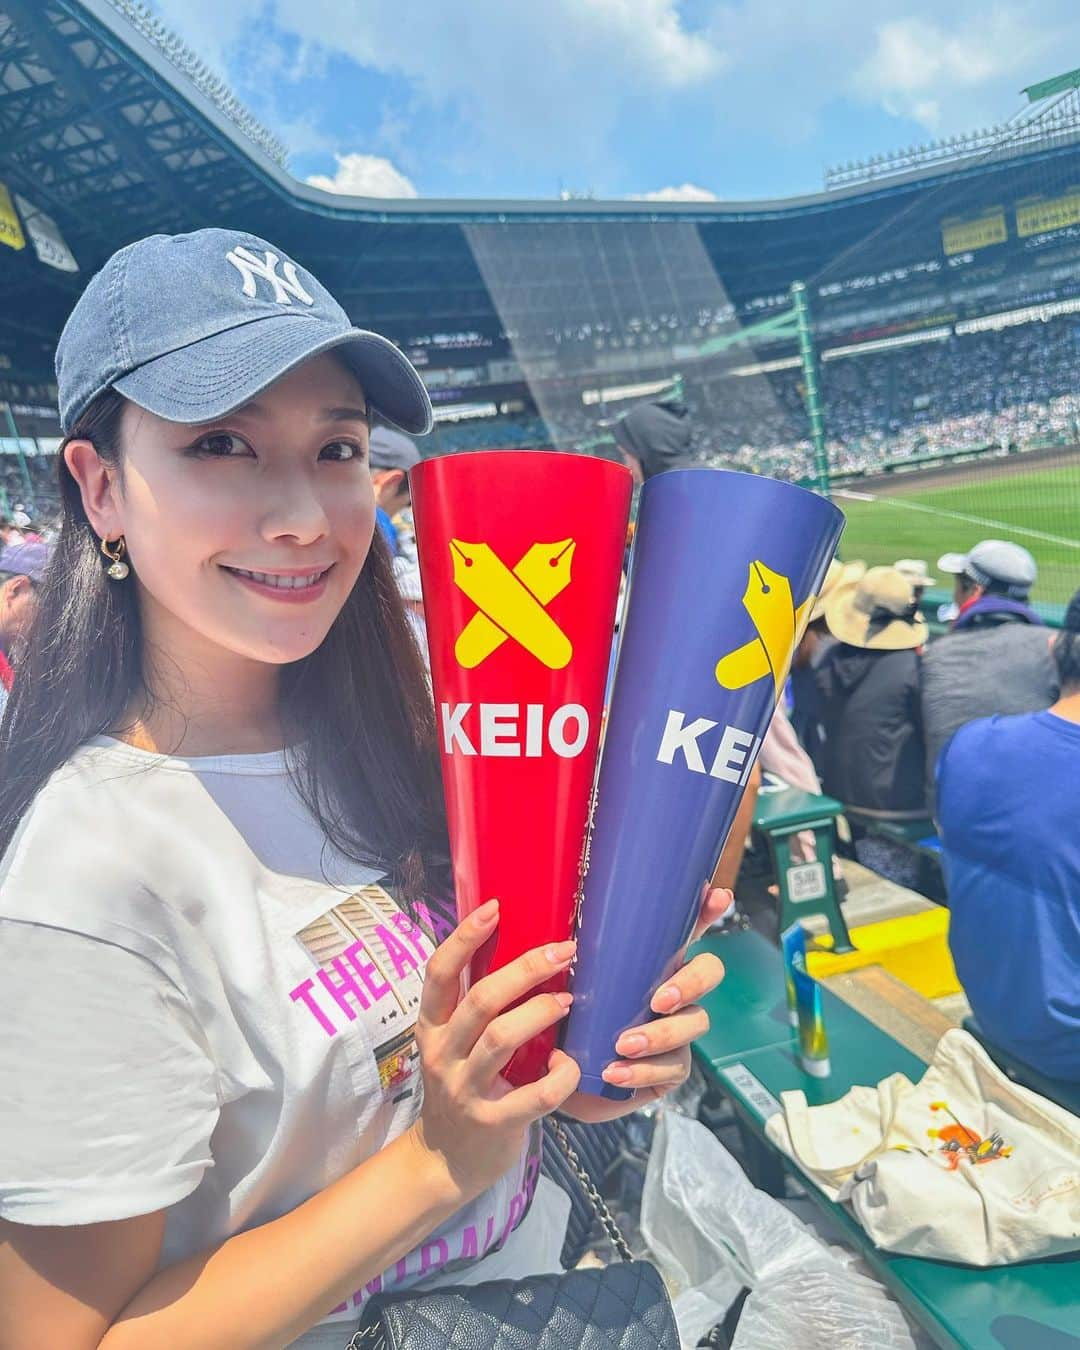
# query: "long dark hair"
{"type": "Point", "coordinates": [359, 703]}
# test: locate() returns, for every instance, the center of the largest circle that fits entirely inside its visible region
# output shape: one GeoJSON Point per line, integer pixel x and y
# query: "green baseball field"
{"type": "Point", "coordinates": [1038, 507]}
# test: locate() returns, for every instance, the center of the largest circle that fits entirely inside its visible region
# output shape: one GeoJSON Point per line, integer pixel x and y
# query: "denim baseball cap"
{"type": "Point", "coordinates": [192, 326]}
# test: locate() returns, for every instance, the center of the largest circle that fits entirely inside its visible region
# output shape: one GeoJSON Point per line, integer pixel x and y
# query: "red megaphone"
{"type": "Point", "coordinates": [521, 558]}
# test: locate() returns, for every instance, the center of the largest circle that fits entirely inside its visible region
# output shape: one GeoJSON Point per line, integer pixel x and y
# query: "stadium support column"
{"type": "Point", "coordinates": [13, 432]}
{"type": "Point", "coordinates": [811, 385]}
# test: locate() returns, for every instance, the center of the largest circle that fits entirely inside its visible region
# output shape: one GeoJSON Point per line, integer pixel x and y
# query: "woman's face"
{"type": "Point", "coordinates": [248, 533]}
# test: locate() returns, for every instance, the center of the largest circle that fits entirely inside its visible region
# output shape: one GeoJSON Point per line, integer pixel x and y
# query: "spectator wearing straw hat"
{"type": "Point", "coordinates": [869, 687]}
{"type": "Point", "coordinates": [811, 651]}
{"type": "Point", "coordinates": [996, 657]}
{"type": "Point", "coordinates": [1006, 899]}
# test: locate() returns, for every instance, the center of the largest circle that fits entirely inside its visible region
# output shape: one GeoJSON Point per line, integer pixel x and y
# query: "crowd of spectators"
{"type": "Point", "coordinates": [33, 491]}
{"type": "Point", "coordinates": [1012, 388]}
{"type": "Point", "coordinates": [975, 735]}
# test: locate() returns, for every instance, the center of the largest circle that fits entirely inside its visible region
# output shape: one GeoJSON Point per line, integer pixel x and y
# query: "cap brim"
{"type": "Point", "coordinates": [216, 375]}
{"type": "Point", "coordinates": [952, 562]}
{"type": "Point", "coordinates": [849, 572]}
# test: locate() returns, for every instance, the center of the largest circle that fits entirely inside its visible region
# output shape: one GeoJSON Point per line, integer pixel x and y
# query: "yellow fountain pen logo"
{"type": "Point", "coordinates": [768, 601]}
{"type": "Point", "coordinates": [511, 601]}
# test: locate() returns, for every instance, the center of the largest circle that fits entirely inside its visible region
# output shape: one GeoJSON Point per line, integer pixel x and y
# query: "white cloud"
{"type": "Point", "coordinates": [365, 176]}
{"type": "Point", "coordinates": [914, 59]}
{"type": "Point", "coordinates": [686, 192]}
{"type": "Point", "coordinates": [546, 80]}
{"type": "Point", "coordinates": [963, 71]}
{"type": "Point", "coordinates": [569, 87]}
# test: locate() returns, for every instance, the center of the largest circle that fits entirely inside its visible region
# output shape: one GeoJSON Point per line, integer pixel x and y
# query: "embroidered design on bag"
{"type": "Point", "coordinates": [959, 1143]}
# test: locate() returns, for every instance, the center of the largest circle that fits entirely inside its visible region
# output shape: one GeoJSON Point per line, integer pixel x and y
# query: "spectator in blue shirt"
{"type": "Point", "coordinates": [1009, 818]}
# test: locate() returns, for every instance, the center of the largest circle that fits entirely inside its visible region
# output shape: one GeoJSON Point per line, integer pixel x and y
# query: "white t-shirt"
{"type": "Point", "coordinates": [210, 1010]}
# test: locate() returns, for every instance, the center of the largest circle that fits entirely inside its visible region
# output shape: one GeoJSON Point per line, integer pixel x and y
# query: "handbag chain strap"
{"type": "Point", "coordinates": [374, 1334]}
{"type": "Point", "coordinates": [607, 1219]}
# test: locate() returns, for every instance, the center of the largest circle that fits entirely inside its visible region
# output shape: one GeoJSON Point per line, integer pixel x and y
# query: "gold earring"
{"type": "Point", "coordinates": [115, 553]}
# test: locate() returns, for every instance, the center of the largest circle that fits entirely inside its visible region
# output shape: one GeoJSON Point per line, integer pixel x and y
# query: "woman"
{"type": "Point", "coordinates": [224, 856]}
{"type": "Point", "coordinates": [869, 689]}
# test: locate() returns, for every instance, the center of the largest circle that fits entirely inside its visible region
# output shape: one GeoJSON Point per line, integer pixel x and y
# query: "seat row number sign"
{"type": "Point", "coordinates": [752, 1090]}
{"type": "Point", "coordinates": [806, 882]}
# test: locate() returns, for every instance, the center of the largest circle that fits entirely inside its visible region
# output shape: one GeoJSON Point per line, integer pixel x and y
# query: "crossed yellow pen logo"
{"type": "Point", "coordinates": [511, 601]}
{"type": "Point", "coordinates": [768, 601]}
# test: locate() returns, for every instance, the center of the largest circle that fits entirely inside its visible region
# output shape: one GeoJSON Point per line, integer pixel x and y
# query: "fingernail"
{"type": "Point", "coordinates": [667, 997]}
{"type": "Point", "coordinates": [616, 1073]}
{"type": "Point", "coordinates": [564, 1000]}
{"type": "Point", "coordinates": [486, 913]}
{"type": "Point", "coordinates": [560, 952]}
{"type": "Point", "coordinates": [631, 1045]}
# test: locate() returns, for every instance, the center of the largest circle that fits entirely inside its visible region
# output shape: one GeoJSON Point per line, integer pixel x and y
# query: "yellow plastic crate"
{"type": "Point", "coordinates": [914, 948]}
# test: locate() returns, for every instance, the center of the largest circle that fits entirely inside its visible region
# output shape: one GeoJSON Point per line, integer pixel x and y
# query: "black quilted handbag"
{"type": "Point", "coordinates": [618, 1307]}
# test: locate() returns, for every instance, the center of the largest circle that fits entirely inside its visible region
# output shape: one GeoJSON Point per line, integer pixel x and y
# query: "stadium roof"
{"type": "Point", "coordinates": [111, 127]}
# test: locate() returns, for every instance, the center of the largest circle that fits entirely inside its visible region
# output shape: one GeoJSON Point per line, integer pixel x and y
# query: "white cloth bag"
{"type": "Point", "coordinates": [964, 1166]}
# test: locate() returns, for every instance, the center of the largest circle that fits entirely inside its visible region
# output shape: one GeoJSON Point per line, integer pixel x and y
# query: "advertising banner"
{"type": "Point", "coordinates": [1054, 213]}
{"type": "Point", "coordinates": [521, 559]}
{"type": "Point", "coordinates": [967, 236]}
{"type": "Point", "coordinates": [48, 242]}
{"type": "Point", "coordinates": [725, 571]}
{"type": "Point", "coordinates": [10, 229]}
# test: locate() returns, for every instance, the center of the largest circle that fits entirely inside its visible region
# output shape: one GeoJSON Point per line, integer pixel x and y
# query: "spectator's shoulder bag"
{"type": "Point", "coordinates": [618, 1307]}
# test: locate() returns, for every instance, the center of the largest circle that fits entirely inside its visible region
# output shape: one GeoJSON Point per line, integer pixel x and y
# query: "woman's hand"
{"type": "Point", "coordinates": [471, 1117]}
{"type": "Point", "coordinates": [656, 1057]}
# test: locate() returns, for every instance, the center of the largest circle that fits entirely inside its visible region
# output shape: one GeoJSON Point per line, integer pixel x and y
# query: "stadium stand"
{"type": "Point", "coordinates": [989, 390]}
{"type": "Point", "coordinates": [942, 281]}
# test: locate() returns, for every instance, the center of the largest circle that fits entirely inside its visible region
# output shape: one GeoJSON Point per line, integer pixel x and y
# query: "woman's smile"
{"type": "Point", "coordinates": [292, 586]}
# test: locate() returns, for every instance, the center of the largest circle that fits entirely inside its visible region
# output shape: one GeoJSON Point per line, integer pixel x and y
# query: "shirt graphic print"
{"type": "Point", "coordinates": [368, 958]}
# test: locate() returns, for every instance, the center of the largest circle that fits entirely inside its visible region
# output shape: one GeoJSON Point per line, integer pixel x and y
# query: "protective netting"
{"type": "Point", "coordinates": [945, 307]}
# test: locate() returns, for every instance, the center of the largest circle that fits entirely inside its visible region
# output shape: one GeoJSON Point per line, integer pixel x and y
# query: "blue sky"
{"type": "Point", "coordinates": [524, 98]}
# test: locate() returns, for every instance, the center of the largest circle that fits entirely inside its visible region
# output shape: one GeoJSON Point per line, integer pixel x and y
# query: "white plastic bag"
{"type": "Point", "coordinates": [712, 1233]}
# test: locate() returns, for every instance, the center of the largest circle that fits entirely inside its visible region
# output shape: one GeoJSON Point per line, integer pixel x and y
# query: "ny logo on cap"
{"type": "Point", "coordinates": [511, 601]}
{"type": "Point", "coordinates": [250, 266]}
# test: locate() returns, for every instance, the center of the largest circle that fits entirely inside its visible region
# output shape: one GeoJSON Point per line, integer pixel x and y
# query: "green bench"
{"type": "Point", "coordinates": [749, 1055]}
{"type": "Point", "coordinates": [805, 888]}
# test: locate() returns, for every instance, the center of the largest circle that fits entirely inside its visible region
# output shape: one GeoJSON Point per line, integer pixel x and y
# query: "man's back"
{"type": "Point", "coordinates": [1008, 807]}
{"type": "Point", "coordinates": [977, 672]}
{"type": "Point", "coordinates": [873, 742]}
